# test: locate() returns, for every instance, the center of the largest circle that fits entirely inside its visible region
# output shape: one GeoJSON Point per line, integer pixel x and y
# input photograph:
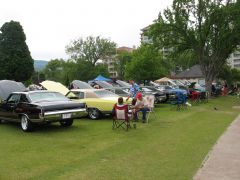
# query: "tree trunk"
{"type": "Point", "coordinates": [208, 83]}
{"type": "Point", "coordinates": [209, 77]}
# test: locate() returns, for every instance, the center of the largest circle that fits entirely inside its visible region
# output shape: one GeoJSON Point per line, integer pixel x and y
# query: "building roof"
{"type": "Point", "coordinates": [124, 48]}
{"type": "Point", "coordinates": [146, 28]}
{"type": "Point", "coordinates": [194, 72]}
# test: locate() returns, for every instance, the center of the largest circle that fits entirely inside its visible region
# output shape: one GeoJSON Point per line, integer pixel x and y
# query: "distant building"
{"type": "Point", "coordinates": [234, 59]}
{"type": "Point", "coordinates": [147, 40]}
{"type": "Point", "coordinates": [124, 48]}
{"type": "Point", "coordinates": [111, 61]}
{"type": "Point", "coordinates": [144, 38]}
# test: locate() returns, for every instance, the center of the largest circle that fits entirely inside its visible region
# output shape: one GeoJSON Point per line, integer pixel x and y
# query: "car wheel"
{"type": "Point", "coordinates": [93, 113]}
{"type": "Point", "coordinates": [66, 123]}
{"type": "Point", "coordinates": [26, 124]}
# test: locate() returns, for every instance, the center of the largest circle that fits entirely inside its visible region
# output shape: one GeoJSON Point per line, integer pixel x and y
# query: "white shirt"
{"type": "Point", "coordinates": [141, 103]}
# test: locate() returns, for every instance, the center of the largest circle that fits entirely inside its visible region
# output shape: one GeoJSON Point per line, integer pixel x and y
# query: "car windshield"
{"type": "Point", "coordinates": [81, 85]}
{"type": "Point", "coordinates": [104, 84]}
{"type": "Point", "coordinates": [123, 84]}
{"type": "Point", "coordinates": [178, 83]}
{"type": "Point", "coordinates": [105, 93]}
{"type": "Point", "coordinates": [152, 88]}
{"type": "Point", "coordinates": [147, 89]}
{"type": "Point", "coordinates": [120, 91]}
{"type": "Point", "coordinates": [47, 96]}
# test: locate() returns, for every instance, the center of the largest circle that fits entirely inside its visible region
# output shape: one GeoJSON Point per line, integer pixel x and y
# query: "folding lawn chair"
{"type": "Point", "coordinates": [178, 100]}
{"type": "Point", "coordinates": [195, 97]}
{"type": "Point", "coordinates": [121, 117]}
{"type": "Point", "coordinates": [150, 100]}
{"type": "Point", "coordinates": [204, 97]}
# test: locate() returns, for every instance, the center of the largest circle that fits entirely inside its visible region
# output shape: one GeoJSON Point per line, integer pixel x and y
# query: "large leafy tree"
{"type": "Point", "coordinates": [15, 59]}
{"type": "Point", "coordinates": [91, 49]}
{"type": "Point", "coordinates": [209, 28]}
{"type": "Point", "coordinates": [146, 64]}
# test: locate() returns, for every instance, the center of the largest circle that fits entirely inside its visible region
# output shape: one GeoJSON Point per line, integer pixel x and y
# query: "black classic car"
{"type": "Point", "coordinates": [38, 107]}
{"type": "Point", "coordinates": [159, 95]}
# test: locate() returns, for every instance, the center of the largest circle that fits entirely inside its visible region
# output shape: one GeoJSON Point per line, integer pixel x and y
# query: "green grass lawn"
{"type": "Point", "coordinates": [172, 146]}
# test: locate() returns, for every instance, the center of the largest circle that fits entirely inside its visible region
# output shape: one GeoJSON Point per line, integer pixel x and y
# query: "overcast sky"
{"type": "Point", "coordinates": [50, 25]}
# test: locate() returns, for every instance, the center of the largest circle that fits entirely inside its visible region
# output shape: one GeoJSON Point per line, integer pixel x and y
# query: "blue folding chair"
{"type": "Point", "coordinates": [178, 100]}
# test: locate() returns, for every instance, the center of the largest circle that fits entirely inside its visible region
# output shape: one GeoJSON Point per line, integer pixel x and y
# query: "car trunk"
{"type": "Point", "coordinates": [60, 105]}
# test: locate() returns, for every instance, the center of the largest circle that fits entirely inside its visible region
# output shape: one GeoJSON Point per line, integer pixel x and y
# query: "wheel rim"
{"type": "Point", "coordinates": [24, 122]}
{"type": "Point", "coordinates": [93, 113]}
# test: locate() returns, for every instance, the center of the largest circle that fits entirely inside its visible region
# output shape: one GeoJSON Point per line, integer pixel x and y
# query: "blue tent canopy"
{"type": "Point", "coordinates": [101, 78]}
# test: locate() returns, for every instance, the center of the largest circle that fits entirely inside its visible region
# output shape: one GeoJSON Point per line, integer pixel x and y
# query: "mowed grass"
{"type": "Point", "coordinates": [172, 146]}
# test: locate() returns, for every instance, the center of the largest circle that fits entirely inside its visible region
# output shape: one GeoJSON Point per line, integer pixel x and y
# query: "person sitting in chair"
{"type": "Point", "coordinates": [119, 104]}
{"type": "Point", "coordinates": [141, 105]}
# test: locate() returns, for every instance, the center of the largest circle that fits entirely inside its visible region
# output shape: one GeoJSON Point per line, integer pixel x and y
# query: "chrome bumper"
{"type": "Point", "coordinates": [61, 115]}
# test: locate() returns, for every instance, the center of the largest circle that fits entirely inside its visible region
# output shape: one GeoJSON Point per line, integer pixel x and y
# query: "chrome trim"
{"type": "Point", "coordinates": [64, 111]}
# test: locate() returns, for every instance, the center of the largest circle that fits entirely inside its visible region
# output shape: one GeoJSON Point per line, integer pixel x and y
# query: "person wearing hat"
{"type": "Point", "coordinates": [141, 105]}
{"type": "Point", "coordinates": [133, 91]}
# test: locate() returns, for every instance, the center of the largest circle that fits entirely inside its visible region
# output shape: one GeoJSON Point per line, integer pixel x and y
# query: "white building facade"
{"type": "Point", "coordinates": [234, 59]}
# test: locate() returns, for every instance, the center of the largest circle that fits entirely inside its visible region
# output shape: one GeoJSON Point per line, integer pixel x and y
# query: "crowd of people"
{"type": "Point", "coordinates": [138, 104]}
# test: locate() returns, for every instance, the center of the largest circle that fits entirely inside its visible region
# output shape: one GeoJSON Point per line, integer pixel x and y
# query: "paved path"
{"type": "Point", "coordinates": [223, 162]}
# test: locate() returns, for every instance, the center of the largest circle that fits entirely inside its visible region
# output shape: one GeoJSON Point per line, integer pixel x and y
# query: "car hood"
{"type": "Point", "coordinates": [55, 86]}
{"type": "Point", "coordinates": [7, 87]}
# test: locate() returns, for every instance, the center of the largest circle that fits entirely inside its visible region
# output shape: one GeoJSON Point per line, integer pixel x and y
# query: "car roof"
{"type": "Point", "coordinates": [30, 92]}
{"type": "Point", "coordinates": [82, 84]}
{"type": "Point", "coordinates": [87, 90]}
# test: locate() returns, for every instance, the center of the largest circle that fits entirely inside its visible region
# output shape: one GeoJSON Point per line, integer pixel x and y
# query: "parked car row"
{"type": "Point", "coordinates": [57, 103]}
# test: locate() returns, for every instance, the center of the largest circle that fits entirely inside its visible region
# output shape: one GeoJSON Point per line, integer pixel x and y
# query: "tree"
{"type": "Point", "coordinates": [67, 71]}
{"type": "Point", "coordinates": [210, 29]}
{"type": "Point", "coordinates": [54, 70]}
{"type": "Point", "coordinates": [231, 75]}
{"type": "Point", "coordinates": [91, 49]}
{"type": "Point", "coordinates": [146, 64]}
{"type": "Point", "coordinates": [122, 58]}
{"type": "Point", "coordinates": [181, 60]}
{"type": "Point", "coordinates": [37, 77]}
{"type": "Point", "coordinates": [15, 60]}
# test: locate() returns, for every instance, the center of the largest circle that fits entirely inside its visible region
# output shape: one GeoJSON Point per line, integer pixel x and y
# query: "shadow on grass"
{"type": "Point", "coordinates": [44, 128]}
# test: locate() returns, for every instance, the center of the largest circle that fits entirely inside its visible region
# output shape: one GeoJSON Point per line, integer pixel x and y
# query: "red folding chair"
{"type": "Point", "coordinates": [195, 97]}
{"type": "Point", "coordinates": [121, 117]}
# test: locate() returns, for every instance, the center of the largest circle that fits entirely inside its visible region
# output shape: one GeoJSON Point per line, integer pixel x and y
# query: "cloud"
{"type": "Point", "coordinates": [50, 25]}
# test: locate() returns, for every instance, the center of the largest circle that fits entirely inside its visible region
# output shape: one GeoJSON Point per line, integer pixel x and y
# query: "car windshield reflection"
{"type": "Point", "coordinates": [47, 96]}
{"type": "Point", "coordinates": [105, 93]}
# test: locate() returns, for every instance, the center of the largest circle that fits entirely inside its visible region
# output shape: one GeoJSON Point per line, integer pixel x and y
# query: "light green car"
{"type": "Point", "coordinates": [99, 101]}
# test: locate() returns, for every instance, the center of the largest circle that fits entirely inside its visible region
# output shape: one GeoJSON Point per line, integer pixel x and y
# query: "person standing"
{"type": "Point", "coordinates": [133, 91]}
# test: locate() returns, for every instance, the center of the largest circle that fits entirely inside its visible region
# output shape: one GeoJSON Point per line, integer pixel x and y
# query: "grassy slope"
{"type": "Point", "coordinates": [172, 146]}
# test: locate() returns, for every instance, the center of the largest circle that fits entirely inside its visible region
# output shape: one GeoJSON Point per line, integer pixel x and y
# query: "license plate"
{"type": "Point", "coordinates": [66, 116]}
